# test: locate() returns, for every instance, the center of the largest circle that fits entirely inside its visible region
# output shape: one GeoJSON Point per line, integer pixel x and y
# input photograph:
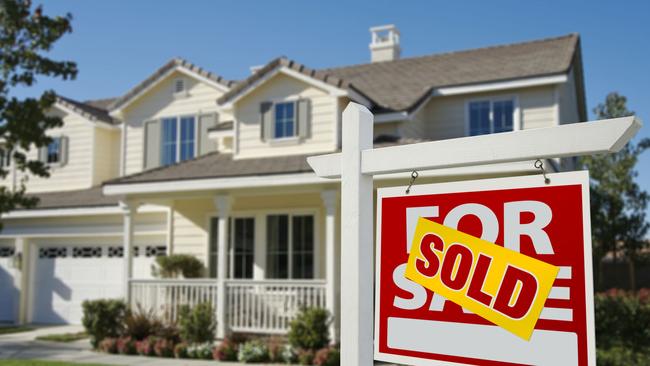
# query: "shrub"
{"type": "Point", "coordinates": [329, 356]}
{"type": "Point", "coordinates": [619, 356]}
{"type": "Point", "coordinates": [305, 357]}
{"type": "Point", "coordinates": [126, 346]}
{"type": "Point", "coordinates": [103, 318]}
{"type": "Point", "coordinates": [163, 348]}
{"type": "Point", "coordinates": [275, 346]}
{"type": "Point", "coordinates": [145, 347]}
{"type": "Point", "coordinates": [225, 351]}
{"type": "Point", "coordinates": [140, 323]}
{"type": "Point", "coordinates": [310, 329]}
{"type": "Point", "coordinates": [180, 350]}
{"type": "Point", "coordinates": [169, 332]}
{"type": "Point", "coordinates": [202, 351]}
{"type": "Point", "coordinates": [172, 266]}
{"type": "Point", "coordinates": [197, 325]}
{"type": "Point", "coordinates": [289, 354]}
{"type": "Point", "coordinates": [253, 351]}
{"type": "Point", "coordinates": [108, 345]}
{"type": "Point", "coordinates": [622, 320]}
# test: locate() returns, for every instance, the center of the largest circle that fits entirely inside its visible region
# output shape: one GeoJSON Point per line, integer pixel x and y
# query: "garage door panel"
{"type": "Point", "coordinates": [66, 276]}
{"type": "Point", "coordinates": [8, 291]}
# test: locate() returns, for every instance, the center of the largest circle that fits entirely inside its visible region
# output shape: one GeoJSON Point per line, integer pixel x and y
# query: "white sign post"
{"type": "Point", "coordinates": [359, 162]}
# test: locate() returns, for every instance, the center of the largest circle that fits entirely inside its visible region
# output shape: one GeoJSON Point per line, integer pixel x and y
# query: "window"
{"type": "Point", "coordinates": [491, 116]}
{"type": "Point", "coordinates": [290, 252]}
{"type": "Point", "coordinates": [177, 146]}
{"type": "Point", "coordinates": [213, 255]}
{"type": "Point", "coordinates": [242, 247]}
{"type": "Point", "coordinates": [53, 155]}
{"type": "Point", "coordinates": [169, 136]}
{"type": "Point", "coordinates": [285, 125]}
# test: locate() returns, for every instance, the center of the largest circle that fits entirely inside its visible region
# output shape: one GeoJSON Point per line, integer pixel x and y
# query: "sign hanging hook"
{"type": "Point", "coordinates": [540, 165]}
{"type": "Point", "coordinates": [414, 176]}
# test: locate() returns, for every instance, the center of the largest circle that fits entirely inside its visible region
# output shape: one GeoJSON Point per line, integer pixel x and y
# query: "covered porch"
{"type": "Point", "coordinates": [267, 254]}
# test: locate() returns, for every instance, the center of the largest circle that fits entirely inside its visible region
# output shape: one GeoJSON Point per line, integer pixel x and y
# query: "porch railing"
{"type": "Point", "coordinates": [165, 297]}
{"type": "Point", "coordinates": [269, 306]}
{"type": "Point", "coordinates": [252, 306]}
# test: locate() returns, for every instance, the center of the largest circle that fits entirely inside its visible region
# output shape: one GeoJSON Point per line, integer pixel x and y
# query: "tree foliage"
{"type": "Point", "coordinates": [618, 204]}
{"type": "Point", "coordinates": [26, 36]}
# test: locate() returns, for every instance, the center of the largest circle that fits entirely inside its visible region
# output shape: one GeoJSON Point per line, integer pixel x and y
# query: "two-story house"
{"type": "Point", "coordinates": [190, 162]}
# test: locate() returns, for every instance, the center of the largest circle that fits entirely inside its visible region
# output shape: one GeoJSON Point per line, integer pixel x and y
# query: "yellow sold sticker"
{"type": "Point", "coordinates": [503, 286]}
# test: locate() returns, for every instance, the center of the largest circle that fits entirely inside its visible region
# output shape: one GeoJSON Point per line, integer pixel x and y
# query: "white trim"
{"type": "Point", "coordinates": [81, 211]}
{"type": "Point", "coordinates": [393, 117]}
{"type": "Point", "coordinates": [213, 183]}
{"type": "Point", "coordinates": [214, 135]}
{"type": "Point", "coordinates": [500, 85]}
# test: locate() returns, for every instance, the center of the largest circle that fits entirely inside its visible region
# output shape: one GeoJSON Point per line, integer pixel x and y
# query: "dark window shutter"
{"type": "Point", "coordinates": [206, 122]}
{"type": "Point", "coordinates": [152, 144]}
{"type": "Point", "coordinates": [266, 120]}
{"type": "Point", "coordinates": [303, 117]}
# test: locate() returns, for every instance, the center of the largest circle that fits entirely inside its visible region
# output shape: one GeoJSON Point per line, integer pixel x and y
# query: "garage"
{"type": "Point", "coordinates": [66, 275]}
{"type": "Point", "coordinates": [8, 291]}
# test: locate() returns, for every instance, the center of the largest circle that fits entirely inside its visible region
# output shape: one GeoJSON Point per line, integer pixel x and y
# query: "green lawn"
{"type": "Point", "coordinates": [42, 363]}
{"type": "Point", "coordinates": [64, 338]}
{"type": "Point", "coordinates": [14, 329]}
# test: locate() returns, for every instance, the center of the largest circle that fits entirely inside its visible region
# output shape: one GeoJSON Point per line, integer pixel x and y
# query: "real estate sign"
{"type": "Point", "coordinates": [494, 271]}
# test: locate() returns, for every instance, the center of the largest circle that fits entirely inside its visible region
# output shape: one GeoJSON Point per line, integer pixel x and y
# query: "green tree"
{"type": "Point", "coordinates": [618, 204]}
{"type": "Point", "coordinates": [26, 36]}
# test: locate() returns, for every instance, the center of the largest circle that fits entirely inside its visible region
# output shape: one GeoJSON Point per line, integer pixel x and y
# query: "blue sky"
{"type": "Point", "coordinates": [118, 43]}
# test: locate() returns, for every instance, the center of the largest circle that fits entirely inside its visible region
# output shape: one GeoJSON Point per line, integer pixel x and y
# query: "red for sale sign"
{"type": "Point", "coordinates": [547, 223]}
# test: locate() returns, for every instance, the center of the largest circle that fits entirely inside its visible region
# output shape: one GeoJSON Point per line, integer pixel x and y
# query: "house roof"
{"type": "Point", "coordinates": [89, 109]}
{"type": "Point", "coordinates": [91, 197]}
{"type": "Point", "coordinates": [153, 78]}
{"type": "Point", "coordinates": [219, 165]}
{"type": "Point", "coordinates": [399, 85]}
{"type": "Point", "coordinates": [223, 126]}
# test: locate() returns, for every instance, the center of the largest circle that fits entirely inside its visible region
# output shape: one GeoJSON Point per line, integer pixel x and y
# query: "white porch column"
{"type": "Point", "coordinates": [330, 201]}
{"type": "Point", "coordinates": [223, 204]}
{"type": "Point", "coordinates": [356, 240]}
{"type": "Point", "coordinates": [128, 210]}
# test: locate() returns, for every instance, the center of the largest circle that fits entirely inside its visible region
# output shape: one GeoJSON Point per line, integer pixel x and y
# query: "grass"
{"type": "Point", "coordinates": [63, 338]}
{"type": "Point", "coordinates": [42, 363]}
{"type": "Point", "coordinates": [14, 329]}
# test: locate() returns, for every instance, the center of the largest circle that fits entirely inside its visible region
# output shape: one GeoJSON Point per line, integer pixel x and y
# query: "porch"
{"type": "Point", "coordinates": [265, 306]}
{"type": "Point", "coordinates": [266, 257]}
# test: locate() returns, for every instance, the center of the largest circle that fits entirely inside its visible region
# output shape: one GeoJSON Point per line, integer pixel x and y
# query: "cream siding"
{"type": "Point", "coordinates": [322, 137]}
{"type": "Point", "coordinates": [77, 173]}
{"type": "Point", "coordinates": [106, 155]}
{"type": "Point", "coordinates": [445, 117]}
{"type": "Point", "coordinates": [160, 102]}
{"type": "Point", "coordinates": [568, 101]}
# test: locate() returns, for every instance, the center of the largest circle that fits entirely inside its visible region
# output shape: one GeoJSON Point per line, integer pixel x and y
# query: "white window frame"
{"type": "Point", "coordinates": [6, 158]}
{"type": "Point", "coordinates": [178, 135]}
{"type": "Point", "coordinates": [516, 111]}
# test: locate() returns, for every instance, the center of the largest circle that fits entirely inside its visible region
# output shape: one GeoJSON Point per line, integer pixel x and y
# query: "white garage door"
{"type": "Point", "coordinates": [8, 291]}
{"type": "Point", "coordinates": [68, 275]}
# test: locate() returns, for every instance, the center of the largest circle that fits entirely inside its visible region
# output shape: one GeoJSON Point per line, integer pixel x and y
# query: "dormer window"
{"type": "Point", "coordinates": [180, 89]}
{"type": "Point", "coordinates": [285, 120]}
{"type": "Point", "coordinates": [491, 116]}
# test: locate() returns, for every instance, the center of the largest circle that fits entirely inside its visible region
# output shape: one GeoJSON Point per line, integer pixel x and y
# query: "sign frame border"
{"type": "Point", "coordinates": [490, 184]}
